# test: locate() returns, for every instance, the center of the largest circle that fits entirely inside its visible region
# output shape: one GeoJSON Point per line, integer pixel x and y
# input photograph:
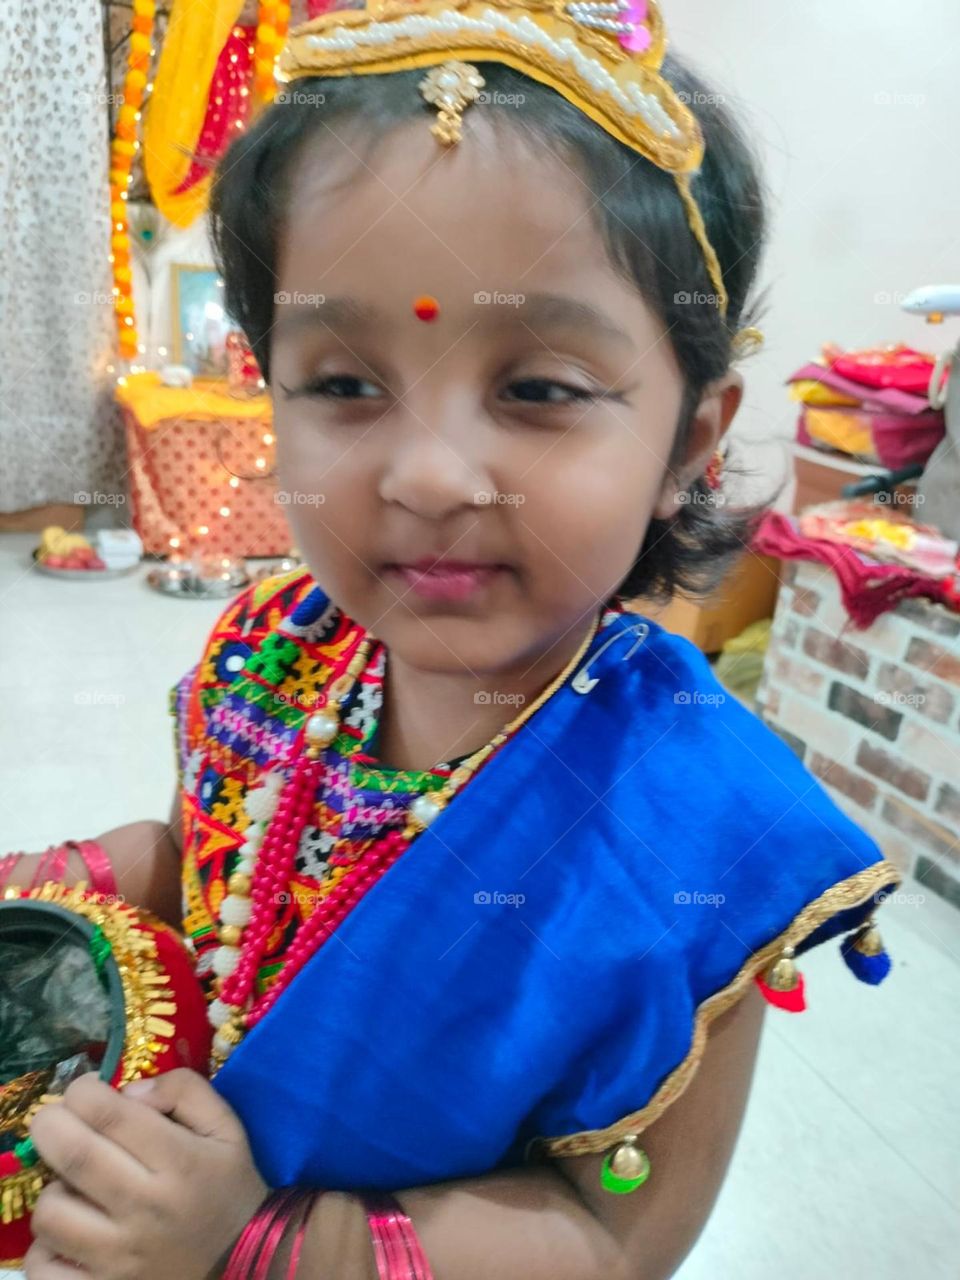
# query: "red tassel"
{"type": "Point", "coordinates": [793, 1000]}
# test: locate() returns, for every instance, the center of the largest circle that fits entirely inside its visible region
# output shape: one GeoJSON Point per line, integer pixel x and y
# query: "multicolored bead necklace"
{"type": "Point", "coordinates": [278, 810]}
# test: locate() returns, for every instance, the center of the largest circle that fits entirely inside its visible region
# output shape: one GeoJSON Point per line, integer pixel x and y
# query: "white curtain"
{"type": "Point", "coordinates": [59, 429]}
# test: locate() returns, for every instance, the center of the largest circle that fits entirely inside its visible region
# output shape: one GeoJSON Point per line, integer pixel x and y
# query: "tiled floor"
{"type": "Point", "coordinates": [847, 1166]}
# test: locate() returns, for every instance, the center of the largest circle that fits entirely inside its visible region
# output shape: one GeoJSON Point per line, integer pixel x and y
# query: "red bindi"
{"type": "Point", "coordinates": [426, 308]}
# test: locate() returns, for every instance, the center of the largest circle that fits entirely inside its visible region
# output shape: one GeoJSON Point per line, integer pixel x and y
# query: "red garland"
{"type": "Point", "coordinates": [227, 117]}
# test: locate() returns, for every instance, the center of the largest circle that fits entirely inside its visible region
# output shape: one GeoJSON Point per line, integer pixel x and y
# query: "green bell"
{"type": "Point", "coordinates": [626, 1168]}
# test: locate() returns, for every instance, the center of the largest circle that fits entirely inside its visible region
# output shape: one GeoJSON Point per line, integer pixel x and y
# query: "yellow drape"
{"type": "Point", "coordinates": [196, 34]}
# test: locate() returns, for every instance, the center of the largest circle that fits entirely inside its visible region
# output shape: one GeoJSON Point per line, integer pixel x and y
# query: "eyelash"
{"type": "Point", "coordinates": [318, 388]}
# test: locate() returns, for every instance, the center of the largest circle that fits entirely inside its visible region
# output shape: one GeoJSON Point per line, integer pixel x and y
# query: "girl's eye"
{"type": "Point", "coordinates": [339, 386]}
{"type": "Point", "coordinates": [546, 391]}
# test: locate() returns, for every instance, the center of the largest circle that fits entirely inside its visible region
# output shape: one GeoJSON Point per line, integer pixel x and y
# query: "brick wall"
{"type": "Point", "coordinates": [875, 715]}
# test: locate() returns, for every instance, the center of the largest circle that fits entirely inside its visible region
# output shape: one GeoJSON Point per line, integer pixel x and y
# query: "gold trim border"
{"type": "Point", "coordinates": [299, 59]}
{"type": "Point", "coordinates": [855, 891]}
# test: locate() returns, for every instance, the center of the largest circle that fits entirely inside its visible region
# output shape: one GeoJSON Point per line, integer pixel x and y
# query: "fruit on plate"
{"type": "Point", "coordinates": [61, 550]}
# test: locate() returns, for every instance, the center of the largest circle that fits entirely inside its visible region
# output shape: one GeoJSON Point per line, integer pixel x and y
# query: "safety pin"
{"type": "Point", "coordinates": [583, 683]}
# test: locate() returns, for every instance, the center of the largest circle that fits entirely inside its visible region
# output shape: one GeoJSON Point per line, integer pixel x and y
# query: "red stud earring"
{"type": "Point", "coordinates": [426, 308]}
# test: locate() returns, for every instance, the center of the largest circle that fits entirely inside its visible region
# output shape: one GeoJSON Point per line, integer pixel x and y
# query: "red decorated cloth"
{"type": "Point", "coordinates": [867, 587]}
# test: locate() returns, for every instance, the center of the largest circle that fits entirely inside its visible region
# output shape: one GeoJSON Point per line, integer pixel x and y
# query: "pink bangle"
{"type": "Point", "coordinates": [52, 866]}
{"type": "Point", "coordinates": [97, 862]}
{"type": "Point", "coordinates": [261, 1237]}
{"type": "Point", "coordinates": [396, 1246]}
{"type": "Point", "coordinates": [7, 864]}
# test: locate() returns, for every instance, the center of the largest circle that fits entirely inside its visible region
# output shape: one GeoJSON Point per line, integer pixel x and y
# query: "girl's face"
{"type": "Point", "coordinates": [527, 428]}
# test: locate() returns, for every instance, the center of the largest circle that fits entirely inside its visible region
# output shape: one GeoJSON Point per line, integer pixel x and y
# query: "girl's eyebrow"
{"type": "Point", "coordinates": [555, 311]}
{"type": "Point", "coordinates": [301, 310]}
{"type": "Point", "coordinates": [536, 311]}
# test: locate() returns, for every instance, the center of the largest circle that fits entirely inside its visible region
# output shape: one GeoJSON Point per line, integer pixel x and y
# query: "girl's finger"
{"type": "Point", "coordinates": [71, 1228]}
{"type": "Point", "coordinates": [190, 1099]}
{"type": "Point", "coordinates": [149, 1140]}
{"type": "Point", "coordinates": [41, 1264]}
{"type": "Point", "coordinates": [92, 1164]}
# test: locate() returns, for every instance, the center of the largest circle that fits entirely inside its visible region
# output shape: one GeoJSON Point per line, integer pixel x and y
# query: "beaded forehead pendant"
{"type": "Point", "coordinates": [604, 56]}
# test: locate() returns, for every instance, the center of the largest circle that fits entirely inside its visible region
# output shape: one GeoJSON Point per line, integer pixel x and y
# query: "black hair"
{"type": "Point", "coordinates": [638, 210]}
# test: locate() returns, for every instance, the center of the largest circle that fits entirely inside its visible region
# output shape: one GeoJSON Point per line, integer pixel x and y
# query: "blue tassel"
{"type": "Point", "coordinates": [864, 955]}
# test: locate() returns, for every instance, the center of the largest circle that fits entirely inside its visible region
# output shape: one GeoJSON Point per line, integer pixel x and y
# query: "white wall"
{"type": "Point", "coordinates": [855, 105]}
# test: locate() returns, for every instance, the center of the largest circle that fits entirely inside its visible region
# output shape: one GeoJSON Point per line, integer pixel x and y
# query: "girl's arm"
{"type": "Point", "coordinates": [146, 863]}
{"type": "Point", "coordinates": [556, 1222]}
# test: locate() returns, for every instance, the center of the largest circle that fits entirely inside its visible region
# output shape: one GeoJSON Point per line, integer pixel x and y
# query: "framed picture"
{"type": "Point", "coordinates": [200, 321]}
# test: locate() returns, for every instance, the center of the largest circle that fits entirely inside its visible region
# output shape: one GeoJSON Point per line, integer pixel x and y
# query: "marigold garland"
{"type": "Point", "coordinates": [273, 20]}
{"type": "Point", "coordinates": [123, 149]}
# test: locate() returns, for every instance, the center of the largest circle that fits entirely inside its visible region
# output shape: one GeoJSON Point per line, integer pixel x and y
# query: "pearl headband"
{"type": "Point", "coordinates": [604, 56]}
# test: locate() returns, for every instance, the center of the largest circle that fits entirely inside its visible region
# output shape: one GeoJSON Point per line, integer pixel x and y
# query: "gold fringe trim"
{"type": "Point", "coordinates": [19, 1193]}
{"type": "Point", "coordinates": [148, 1001]}
{"type": "Point", "coordinates": [855, 891]}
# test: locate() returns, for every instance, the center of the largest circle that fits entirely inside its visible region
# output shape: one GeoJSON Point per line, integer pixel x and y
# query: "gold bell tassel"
{"type": "Point", "coordinates": [782, 983]}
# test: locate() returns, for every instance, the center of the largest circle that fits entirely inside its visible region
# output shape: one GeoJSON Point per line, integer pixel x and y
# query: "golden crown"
{"type": "Point", "coordinates": [604, 56]}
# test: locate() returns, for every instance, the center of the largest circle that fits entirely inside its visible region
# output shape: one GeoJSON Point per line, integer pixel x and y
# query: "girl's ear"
{"type": "Point", "coordinates": [717, 408]}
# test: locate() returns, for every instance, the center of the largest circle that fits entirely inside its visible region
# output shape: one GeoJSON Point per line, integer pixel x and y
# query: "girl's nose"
{"type": "Point", "coordinates": [434, 469]}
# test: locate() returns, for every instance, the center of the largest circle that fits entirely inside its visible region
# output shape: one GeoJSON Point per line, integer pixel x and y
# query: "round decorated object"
{"type": "Point", "coordinates": [87, 984]}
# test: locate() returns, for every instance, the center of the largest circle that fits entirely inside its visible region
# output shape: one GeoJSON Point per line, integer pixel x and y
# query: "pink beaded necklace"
{"type": "Point", "coordinates": [278, 811]}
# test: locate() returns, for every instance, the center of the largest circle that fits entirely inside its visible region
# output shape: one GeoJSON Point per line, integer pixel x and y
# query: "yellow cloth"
{"type": "Point", "coordinates": [810, 391]}
{"type": "Point", "coordinates": [196, 33]}
{"type": "Point", "coordinates": [207, 401]}
{"type": "Point", "coordinates": [847, 432]}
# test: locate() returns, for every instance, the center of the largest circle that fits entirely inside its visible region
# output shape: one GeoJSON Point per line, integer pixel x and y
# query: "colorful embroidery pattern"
{"type": "Point", "coordinates": [239, 713]}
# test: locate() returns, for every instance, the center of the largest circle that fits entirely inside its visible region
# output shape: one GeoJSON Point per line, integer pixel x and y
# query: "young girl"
{"type": "Point", "coordinates": [487, 878]}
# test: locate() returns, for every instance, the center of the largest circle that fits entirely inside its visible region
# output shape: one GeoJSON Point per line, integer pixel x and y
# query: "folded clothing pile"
{"type": "Point", "coordinates": [872, 404]}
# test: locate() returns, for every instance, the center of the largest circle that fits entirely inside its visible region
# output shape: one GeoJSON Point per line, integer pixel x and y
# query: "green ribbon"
{"type": "Point", "coordinates": [100, 951]}
{"type": "Point", "coordinates": [26, 1153]}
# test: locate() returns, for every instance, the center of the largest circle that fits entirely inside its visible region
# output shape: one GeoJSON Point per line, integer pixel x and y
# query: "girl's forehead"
{"type": "Point", "coordinates": [488, 204]}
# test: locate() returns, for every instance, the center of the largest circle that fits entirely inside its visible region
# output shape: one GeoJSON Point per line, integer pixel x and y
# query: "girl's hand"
{"type": "Point", "coordinates": [152, 1182]}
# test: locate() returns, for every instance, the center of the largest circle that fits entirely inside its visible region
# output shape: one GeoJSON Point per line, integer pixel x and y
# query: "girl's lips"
{"type": "Point", "coordinates": [445, 581]}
